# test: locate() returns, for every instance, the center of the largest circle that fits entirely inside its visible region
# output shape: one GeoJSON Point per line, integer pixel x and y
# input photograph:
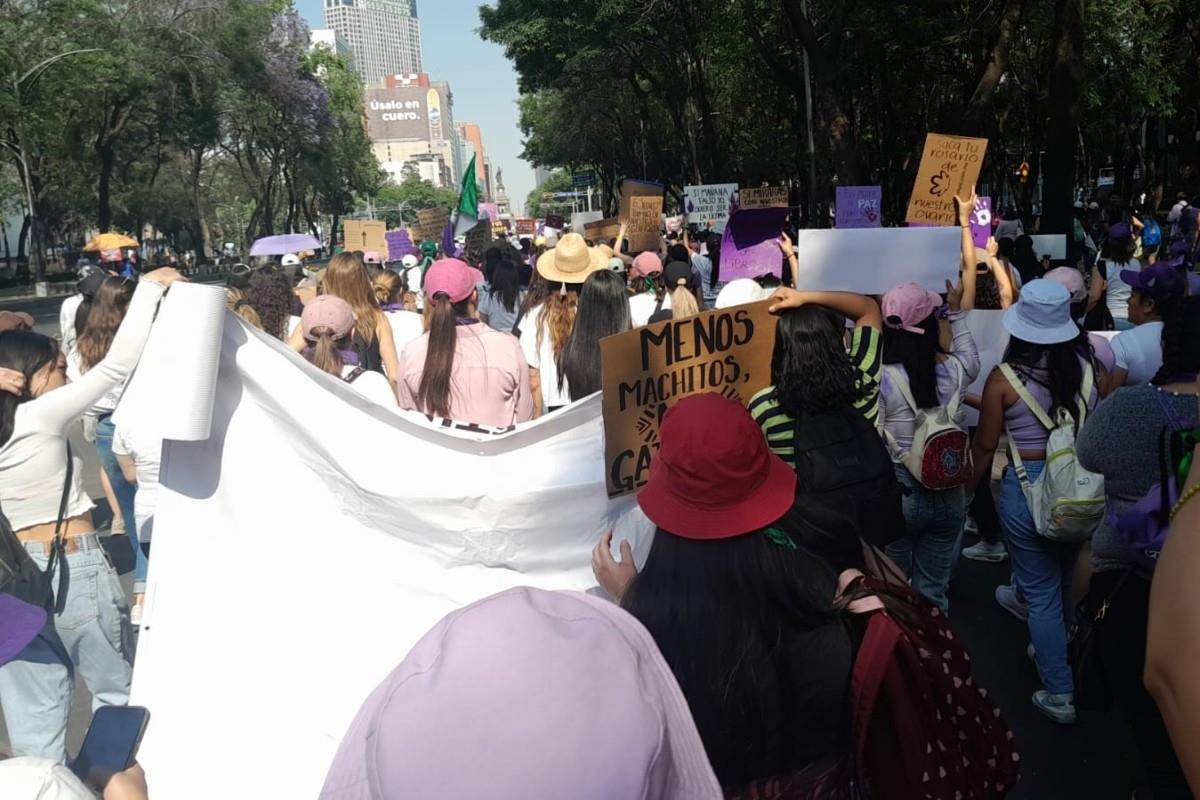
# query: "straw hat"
{"type": "Point", "coordinates": [571, 260]}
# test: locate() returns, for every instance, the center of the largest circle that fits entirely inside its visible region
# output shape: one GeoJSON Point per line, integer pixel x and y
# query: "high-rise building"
{"type": "Point", "coordinates": [384, 36]}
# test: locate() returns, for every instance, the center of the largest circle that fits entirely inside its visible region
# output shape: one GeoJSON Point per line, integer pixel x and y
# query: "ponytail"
{"type": "Point", "coordinates": [326, 356]}
{"type": "Point", "coordinates": [433, 394]}
{"type": "Point", "coordinates": [683, 302]}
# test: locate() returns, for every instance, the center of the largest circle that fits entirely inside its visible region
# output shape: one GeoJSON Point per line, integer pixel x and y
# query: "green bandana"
{"type": "Point", "coordinates": [779, 537]}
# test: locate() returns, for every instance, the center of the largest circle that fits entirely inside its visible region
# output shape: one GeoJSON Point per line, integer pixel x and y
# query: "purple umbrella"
{"type": "Point", "coordinates": [282, 245]}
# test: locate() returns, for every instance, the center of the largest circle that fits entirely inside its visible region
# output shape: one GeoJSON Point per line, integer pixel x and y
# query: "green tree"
{"type": "Point", "coordinates": [398, 203]}
{"type": "Point", "coordinates": [537, 200]}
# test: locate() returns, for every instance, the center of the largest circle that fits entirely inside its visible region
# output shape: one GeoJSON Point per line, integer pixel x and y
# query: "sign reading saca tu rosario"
{"type": "Point", "coordinates": [648, 369]}
{"type": "Point", "coordinates": [950, 166]}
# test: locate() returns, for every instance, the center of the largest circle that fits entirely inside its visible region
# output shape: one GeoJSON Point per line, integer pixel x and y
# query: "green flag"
{"type": "Point", "coordinates": [468, 202]}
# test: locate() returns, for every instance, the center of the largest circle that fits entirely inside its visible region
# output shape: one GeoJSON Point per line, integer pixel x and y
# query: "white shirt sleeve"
{"type": "Point", "coordinates": [529, 343]}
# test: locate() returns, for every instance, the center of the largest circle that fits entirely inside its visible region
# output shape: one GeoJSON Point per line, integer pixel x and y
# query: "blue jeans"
{"type": "Point", "coordinates": [1042, 571]}
{"type": "Point", "coordinates": [933, 524]}
{"type": "Point", "coordinates": [92, 635]}
{"type": "Point", "coordinates": [125, 493]}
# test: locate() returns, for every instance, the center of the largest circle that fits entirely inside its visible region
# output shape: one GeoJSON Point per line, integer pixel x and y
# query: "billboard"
{"type": "Point", "coordinates": [413, 113]}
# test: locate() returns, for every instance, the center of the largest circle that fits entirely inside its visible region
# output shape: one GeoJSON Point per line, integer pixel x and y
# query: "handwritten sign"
{"type": "Point", "coordinates": [366, 235]}
{"type": "Point", "coordinates": [431, 223]}
{"type": "Point", "coordinates": [764, 197]}
{"type": "Point", "coordinates": [713, 201]}
{"type": "Point", "coordinates": [859, 206]}
{"type": "Point", "coordinates": [645, 215]}
{"type": "Point", "coordinates": [526, 227]}
{"type": "Point", "coordinates": [476, 241]}
{"type": "Point", "coordinates": [981, 221]}
{"type": "Point", "coordinates": [629, 190]}
{"type": "Point", "coordinates": [555, 221]}
{"type": "Point", "coordinates": [950, 165]}
{"type": "Point", "coordinates": [647, 370]}
{"type": "Point", "coordinates": [602, 231]}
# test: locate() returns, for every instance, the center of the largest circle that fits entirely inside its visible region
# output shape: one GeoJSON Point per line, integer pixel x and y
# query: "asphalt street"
{"type": "Point", "coordinates": [1093, 759]}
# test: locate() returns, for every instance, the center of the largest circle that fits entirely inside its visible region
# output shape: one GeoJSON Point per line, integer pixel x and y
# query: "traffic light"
{"type": "Point", "coordinates": [1022, 171]}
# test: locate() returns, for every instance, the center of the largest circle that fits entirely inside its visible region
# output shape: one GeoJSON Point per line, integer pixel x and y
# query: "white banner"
{"type": "Point", "coordinates": [874, 260]}
{"type": "Point", "coordinates": [313, 538]}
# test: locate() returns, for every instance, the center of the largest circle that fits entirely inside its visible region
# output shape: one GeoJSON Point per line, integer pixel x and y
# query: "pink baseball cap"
{"type": "Point", "coordinates": [453, 277]}
{"type": "Point", "coordinates": [372, 257]}
{"type": "Point", "coordinates": [1070, 279]}
{"type": "Point", "coordinates": [908, 305]}
{"type": "Point", "coordinates": [327, 311]}
{"type": "Point", "coordinates": [646, 263]}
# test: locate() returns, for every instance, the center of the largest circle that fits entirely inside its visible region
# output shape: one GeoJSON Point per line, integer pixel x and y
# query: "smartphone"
{"type": "Point", "coordinates": [111, 743]}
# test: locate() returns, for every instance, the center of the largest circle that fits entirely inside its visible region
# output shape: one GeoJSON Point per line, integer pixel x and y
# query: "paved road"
{"type": "Point", "coordinates": [1094, 759]}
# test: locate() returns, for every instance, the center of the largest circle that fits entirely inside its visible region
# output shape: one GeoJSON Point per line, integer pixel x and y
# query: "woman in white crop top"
{"type": "Point", "coordinates": [93, 628]}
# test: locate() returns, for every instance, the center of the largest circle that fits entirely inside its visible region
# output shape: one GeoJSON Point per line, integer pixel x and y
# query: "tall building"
{"type": "Point", "coordinates": [410, 120]}
{"type": "Point", "coordinates": [384, 36]}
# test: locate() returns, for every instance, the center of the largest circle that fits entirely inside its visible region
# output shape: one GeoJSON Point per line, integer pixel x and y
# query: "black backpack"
{"type": "Point", "coordinates": [19, 575]}
{"type": "Point", "coordinates": [842, 464]}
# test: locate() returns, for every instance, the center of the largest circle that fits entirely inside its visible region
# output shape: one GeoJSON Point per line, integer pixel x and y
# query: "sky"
{"type": "Point", "coordinates": [482, 80]}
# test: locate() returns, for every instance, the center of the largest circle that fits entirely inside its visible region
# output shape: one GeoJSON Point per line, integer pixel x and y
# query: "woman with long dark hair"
{"type": "Point", "coordinates": [743, 613]}
{"type": "Point", "coordinates": [1122, 441]}
{"type": "Point", "coordinates": [93, 629]}
{"type": "Point", "coordinates": [269, 293]}
{"type": "Point", "coordinates": [1051, 358]}
{"type": "Point", "coordinates": [500, 304]}
{"type": "Point", "coordinates": [919, 377]}
{"type": "Point", "coordinates": [347, 277]}
{"type": "Point", "coordinates": [459, 368]}
{"type": "Point", "coordinates": [1116, 255]}
{"type": "Point", "coordinates": [603, 311]}
{"type": "Point", "coordinates": [546, 328]}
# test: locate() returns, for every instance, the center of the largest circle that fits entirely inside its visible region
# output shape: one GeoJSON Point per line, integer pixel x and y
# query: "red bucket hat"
{"type": "Point", "coordinates": [714, 476]}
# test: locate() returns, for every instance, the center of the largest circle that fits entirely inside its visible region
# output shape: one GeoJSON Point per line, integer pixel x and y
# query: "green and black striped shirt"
{"type": "Point", "coordinates": [867, 358]}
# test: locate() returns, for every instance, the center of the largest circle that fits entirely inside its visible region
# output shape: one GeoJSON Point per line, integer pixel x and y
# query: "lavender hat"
{"type": "Point", "coordinates": [527, 694]}
{"type": "Point", "coordinates": [20, 623]}
{"type": "Point", "coordinates": [1042, 315]}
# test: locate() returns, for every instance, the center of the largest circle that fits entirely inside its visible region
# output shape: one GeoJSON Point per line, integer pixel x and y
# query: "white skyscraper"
{"type": "Point", "coordinates": [384, 35]}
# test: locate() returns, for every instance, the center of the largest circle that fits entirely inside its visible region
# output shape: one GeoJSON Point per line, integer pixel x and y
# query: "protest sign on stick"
{"type": "Point", "coordinates": [950, 166]}
{"type": "Point", "coordinates": [763, 197]}
{"type": "Point", "coordinates": [649, 369]}
{"type": "Point", "coordinates": [859, 206]}
{"type": "Point", "coordinates": [366, 235]}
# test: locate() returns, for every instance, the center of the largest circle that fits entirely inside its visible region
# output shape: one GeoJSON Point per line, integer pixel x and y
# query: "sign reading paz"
{"type": "Point", "coordinates": [950, 165]}
{"type": "Point", "coordinates": [649, 369]}
{"type": "Point", "coordinates": [765, 197]}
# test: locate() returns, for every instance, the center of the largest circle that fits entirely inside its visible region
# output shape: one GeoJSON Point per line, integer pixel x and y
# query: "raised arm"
{"type": "Point", "coordinates": [860, 308]}
{"type": "Point", "coordinates": [969, 277]}
{"type": "Point", "coordinates": [1001, 274]}
{"type": "Point", "coordinates": [57, 409]}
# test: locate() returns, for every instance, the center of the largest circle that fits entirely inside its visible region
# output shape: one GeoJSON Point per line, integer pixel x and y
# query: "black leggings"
{"type": "Point", "coordinates": [1122, 650]}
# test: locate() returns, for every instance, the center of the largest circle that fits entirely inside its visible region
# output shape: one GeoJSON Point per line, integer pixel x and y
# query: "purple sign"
{"type": "Point", "coordinates": [750, 244]}
{"type": "Point", "coordinates": [859, 206]}
{"type": "Point", "coordinates": [981, 221]}
{"type": "Point", "coordinates": [399, 245]}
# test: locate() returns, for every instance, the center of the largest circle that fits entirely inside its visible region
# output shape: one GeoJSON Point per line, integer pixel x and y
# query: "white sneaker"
{"type": "Point", "coordinates": [992, 552]}
{"type": "Point", "coordinates": [135, 615]}
{"type": "Point", "coordinates": [1058, 707]}
{"type": "Point", "coordinates": [970, 526]}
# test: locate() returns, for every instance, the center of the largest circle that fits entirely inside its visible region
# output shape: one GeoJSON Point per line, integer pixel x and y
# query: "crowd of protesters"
{"type": "Point", "coordinates": [789, 633]}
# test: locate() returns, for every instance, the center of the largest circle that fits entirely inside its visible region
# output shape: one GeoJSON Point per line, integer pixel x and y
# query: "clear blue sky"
{"type": "Point", "coordinates": [482, 80]}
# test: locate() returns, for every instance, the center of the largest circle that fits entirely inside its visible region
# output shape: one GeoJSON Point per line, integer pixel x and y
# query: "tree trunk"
{"type": "Point", "coordinates": [1066, 92]}
{"type": "Point", "coordinates": [978, 116]}
{"type": "Point", "coordinates": [104, 187]}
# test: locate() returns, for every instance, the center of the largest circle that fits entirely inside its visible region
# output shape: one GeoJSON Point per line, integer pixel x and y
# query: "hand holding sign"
{"type": "Point", "coordinates": [950, 165]}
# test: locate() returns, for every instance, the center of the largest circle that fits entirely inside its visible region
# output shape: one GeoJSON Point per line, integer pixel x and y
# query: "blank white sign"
{"type": "Point", "coordinates": [1050, 244]}
{"type": "Point", "coordinates": [874, 260]}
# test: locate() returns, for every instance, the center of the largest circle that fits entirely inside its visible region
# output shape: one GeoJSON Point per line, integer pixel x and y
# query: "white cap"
{"type": "Point", "coordinates": [741, 291]}
{"type": "Point", "coordinates": [1079, 204]}
{"type": "Point", "coordinates": [409, 260]}
{"type": "Point", "coordinates": [291, 260]}
{"type": "Point", "coordinates": [1094, 206]}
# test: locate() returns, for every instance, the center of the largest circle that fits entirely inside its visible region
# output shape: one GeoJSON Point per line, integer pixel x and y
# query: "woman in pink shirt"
{"type": "Point", "coordinates": [459, 368]}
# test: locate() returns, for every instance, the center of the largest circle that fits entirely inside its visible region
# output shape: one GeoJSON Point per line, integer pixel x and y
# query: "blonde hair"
{"type": "Point", "coordinates": [236, 302]}
{"type": "Point", "coordinates": [558, 317]}
{"type": "Point", "coordinates": [683, 302]}
{"type": "Point", "coordinates": [325, 356]}
{"type": "Point", "coordinates": [346, 277]}
{"type": "Point", "coordinates": [391, 289]}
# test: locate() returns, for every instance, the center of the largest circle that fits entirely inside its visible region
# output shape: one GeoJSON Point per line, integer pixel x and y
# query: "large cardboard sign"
{"type": "Point", "coordinates": [526, 226]}
{"type": "Point", "coordinates": [645, 215]}
{"type": "Point", "coordinates": [431, 223]}
{"type": "Point", "coordinates": [859, 207]}
{"type": "Point", "coordinates": [874, 260]}
{"type": "Point", "coordinates": [713, 201]}
{"type": "Point", "coordinates": [763, 197]}
{"type": "Point", "coordinates": [649, 369]}
{"type": "Point", "coordinates": [476, 241]}
{"type": "Point", "coordinates": [950, 166]}
{"type": "Point", "coordinates": [602, 231]}
{"type": "Point", "coordinates": [629, 190]}
{"type": "Point", "coordinates": [366, 235]}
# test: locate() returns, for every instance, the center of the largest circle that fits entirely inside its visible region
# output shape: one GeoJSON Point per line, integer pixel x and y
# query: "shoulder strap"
{"type": "Point", "coordinates": [1025, 396]}
{"type": "Point", "coordinates": [56, 547]}
{"type": "Point", "coordinates": [354, 375]}
{"type": "Point", "coordinates": [870, 667]}
{"type": "Point", "coordinates": [516, 328]}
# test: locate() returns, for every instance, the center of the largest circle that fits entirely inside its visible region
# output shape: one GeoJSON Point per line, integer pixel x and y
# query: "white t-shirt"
{"type": "Point", "coordinates": [542, 359]}
{"type": "Point", "coordinates": [146, 452]}
{"type": "Point", "coordinates": [40, 778]}
{"type": "Point", "coordinates": [106, 404]}
{"type": "Point", "coordinates": [642, 307]}
{"type": "Point", "coordinates": [1138, 351]}
{"type": "Point", "coordinates": [66, 322]}
{"type": "Point", "coordinates": [406, 326]}
{"type": "Point", "coordinates": [371, 385]}
{"type": "Point", "coordinates": [1117, 296]}
{"type": "Point", "coordinates": [293, 323]}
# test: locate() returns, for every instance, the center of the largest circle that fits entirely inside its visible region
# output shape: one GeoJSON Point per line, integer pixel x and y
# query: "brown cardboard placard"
{"type": "Point", "coordinates": [645, 215]}
{"type": "Point", "coordinates": [950, 166]}
{"type": "Point", "coordinates": [629, 190]}
{"type": "Point", "coordinates": [763, 197]}
{"type": "Point", "coordinates": [646, 370]}
{"type": "Point", "coordinates": [365, 235]}
{"type": "Point", "coordinates": [431, 223]}
{"type": "Point", "coordinates": [602, 232]}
